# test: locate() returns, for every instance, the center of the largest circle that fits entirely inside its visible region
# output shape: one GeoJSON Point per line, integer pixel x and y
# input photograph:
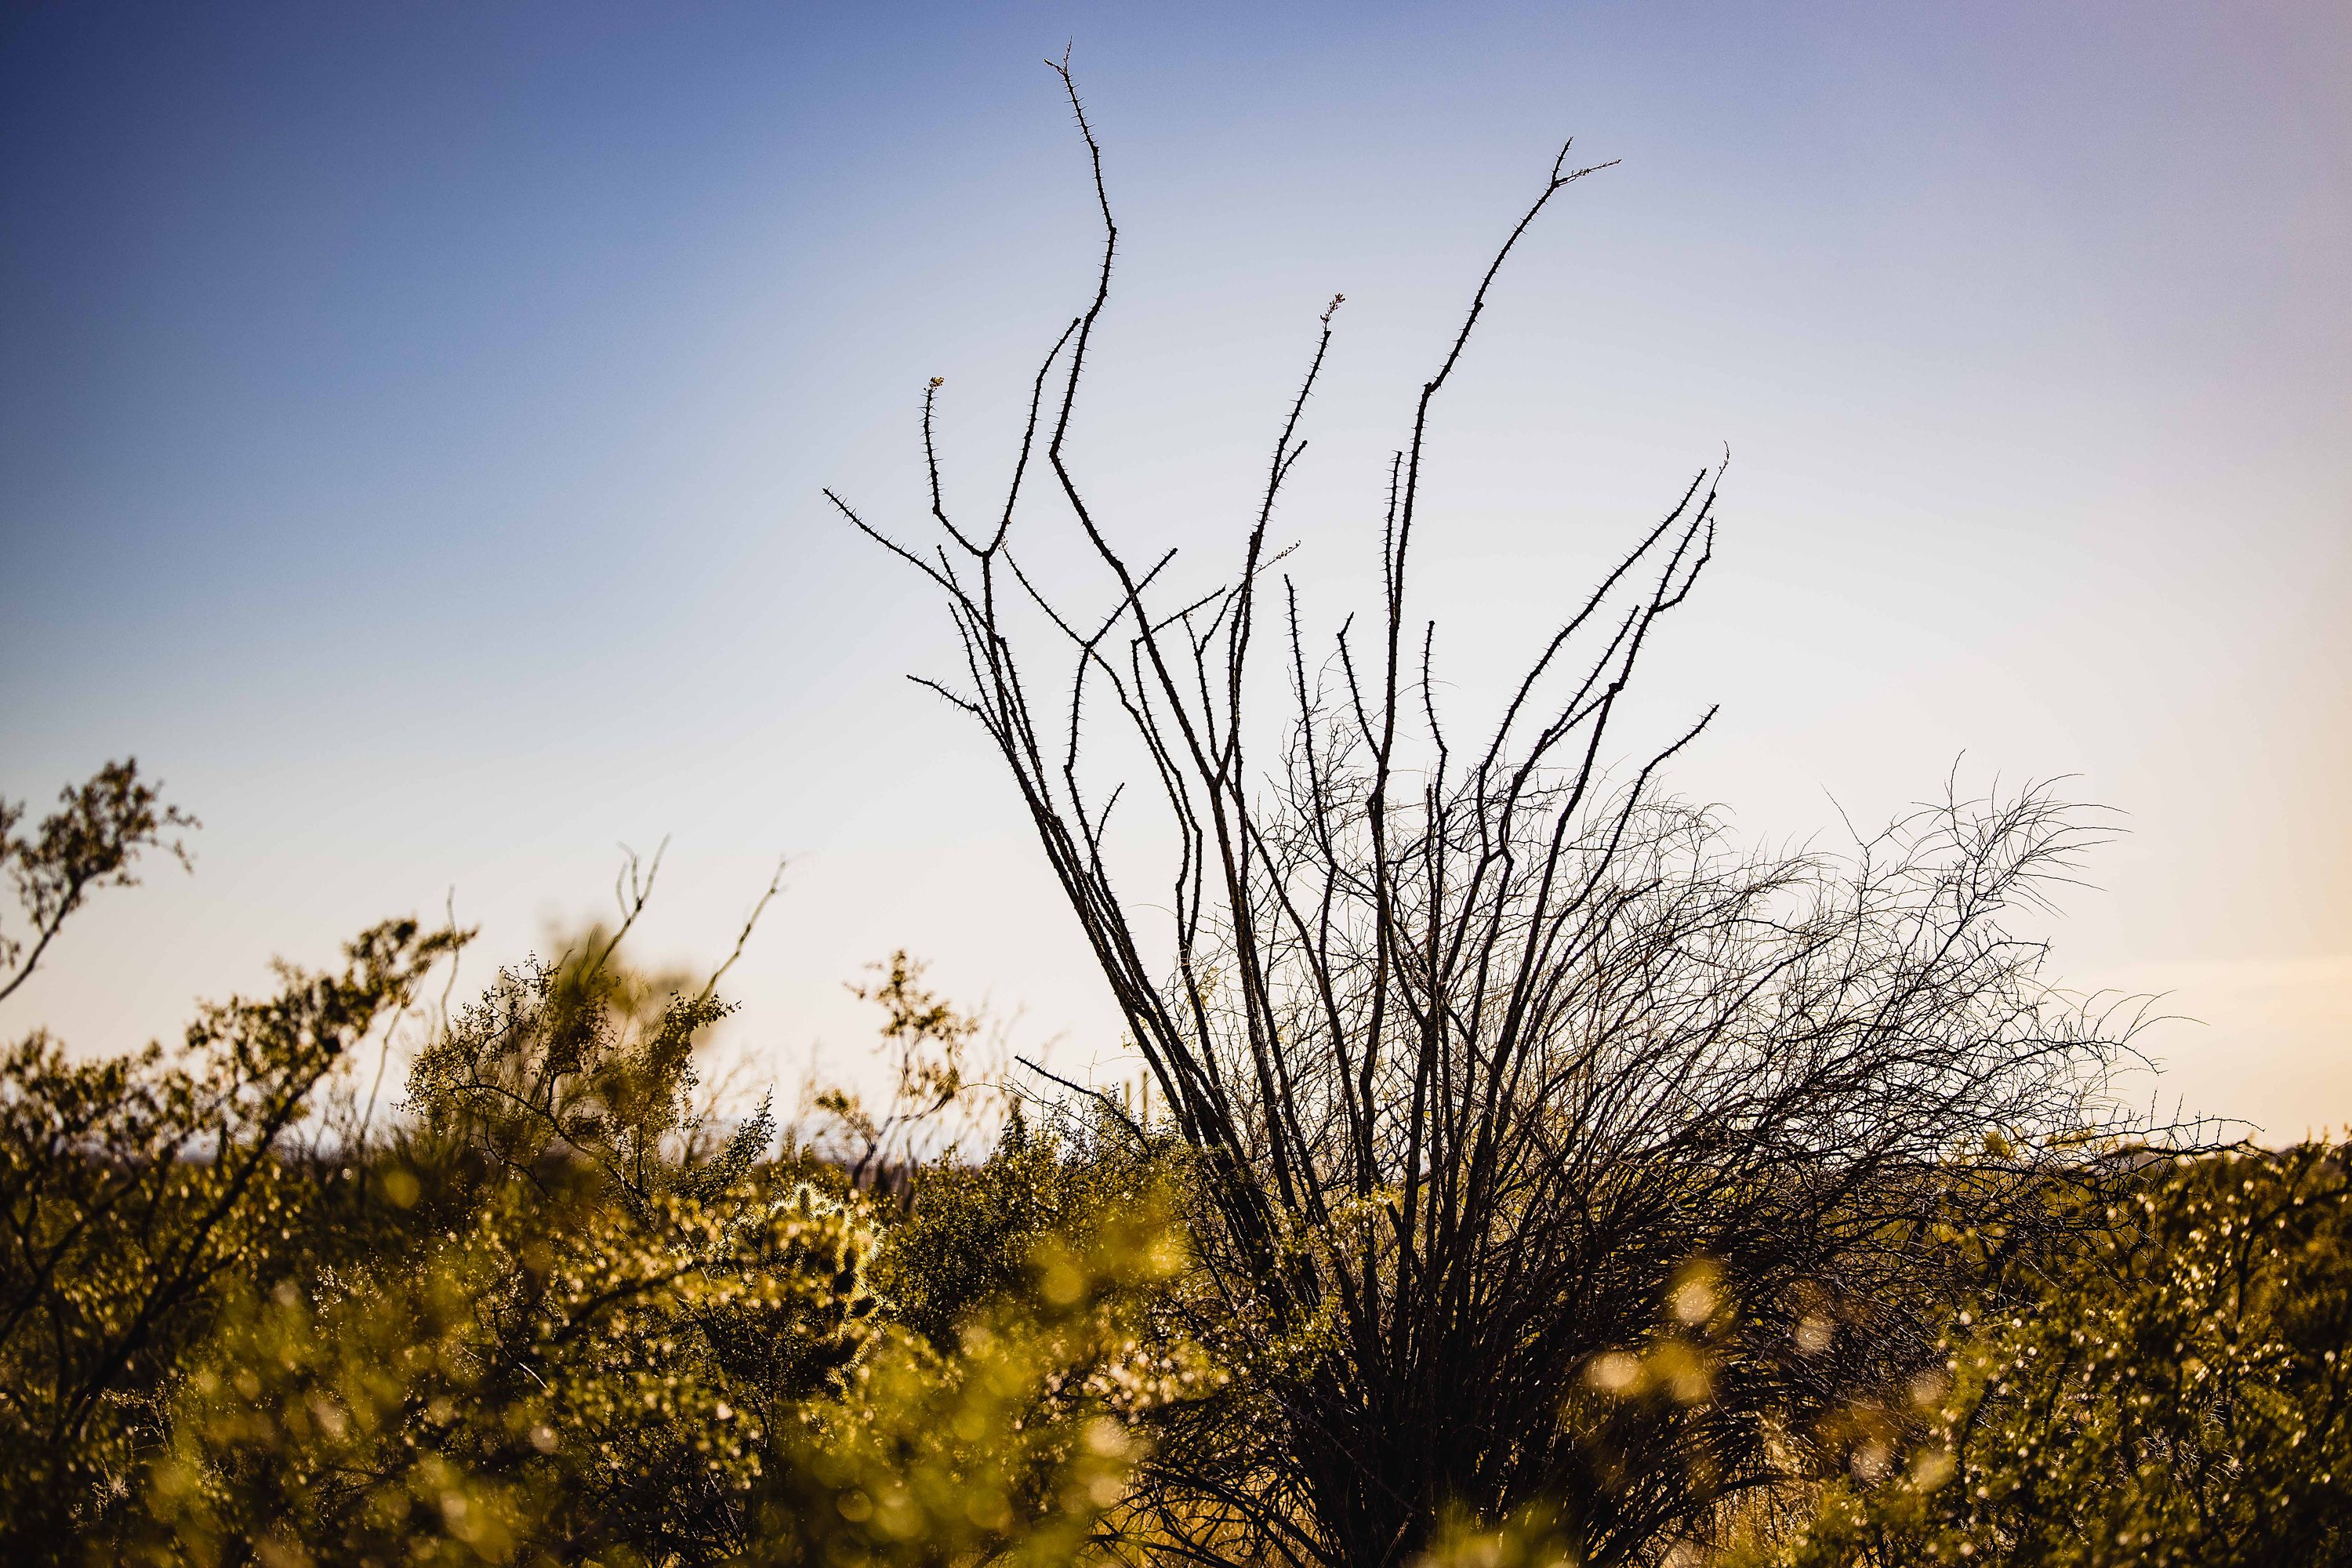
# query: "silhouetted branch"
{"type": "Point", "coordinates": [1482, 1046]}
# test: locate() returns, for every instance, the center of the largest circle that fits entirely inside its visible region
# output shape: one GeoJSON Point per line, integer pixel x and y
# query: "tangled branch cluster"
{"type": "Point", "coordinates": [1481, 1044]}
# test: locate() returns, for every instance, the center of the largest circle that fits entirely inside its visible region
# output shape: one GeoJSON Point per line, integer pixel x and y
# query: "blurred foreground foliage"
{"type": "Point", "coordinates": [2177, 1395]}
{"type": "Point", "coordinates": [553, 1309]}
{"type": "Point", "coordinates": [552, 1312]}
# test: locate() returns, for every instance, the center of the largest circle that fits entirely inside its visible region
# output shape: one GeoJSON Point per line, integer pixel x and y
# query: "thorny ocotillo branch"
{"type": "Point", "coordinates": [1478, 1045]}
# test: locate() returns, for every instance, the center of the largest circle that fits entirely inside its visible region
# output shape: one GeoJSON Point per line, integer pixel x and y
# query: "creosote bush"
{"type": "Point", "coordinates": [137, 1192]}
{"type": "Point", "coordinates": [553, 1311]}
{"type": "Point", "coordinates": [2176, 1394]}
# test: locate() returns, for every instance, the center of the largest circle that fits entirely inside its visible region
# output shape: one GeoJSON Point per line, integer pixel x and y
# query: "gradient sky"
{"type": "Point", "coordinates": [411, 419]}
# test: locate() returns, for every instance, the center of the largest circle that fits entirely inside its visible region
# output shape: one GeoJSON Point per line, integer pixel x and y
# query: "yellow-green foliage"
{"type": "Point", "coordinates": [584, 1063]}
{"type": "Point", "coordinates": [134, 1191]}
{"type": "Point", "coordinates": [709, 1384]}
{"type": "Point", "coordinates": [2180, 1396]}
{"type": "Point", "coordinates": [970, 1231]}
{"type": "Point", "coordinates": [1531, 1538]}
{"type": "Point", "coordinates": [1010, 1445]}
{"type": "Point", "coordinates": [594, 1380]}
{"type": "Point", "coordinates": [553, 1315]}
{"type": "Point", "coordinates": [546, 1320]}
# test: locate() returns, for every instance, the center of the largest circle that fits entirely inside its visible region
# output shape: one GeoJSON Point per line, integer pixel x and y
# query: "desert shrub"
{"type": "Point", "coordinates": [940, 1097]}
{"type": "Point", "coordinates": [137, 1192]}
{"type": "Point", "coordinates": [1015, 1443]}
{"type": "Point", "coordinates": [95, 838]}
{"type": "Point", "coordinates": [556, 1312]}
{"type": "Point", "coordinates": [2177, 1394]}
{"type": "Point", "coordinates": [972, 1232]}
{"type": "Point", "coordinates": [709, 1380]}
{"type": "Point", "coordinates": [566, 1384]}
{"type": "Point", "coordinates": [556, 1309]}
{"type": "Point", "coordinates": [584, 1065]}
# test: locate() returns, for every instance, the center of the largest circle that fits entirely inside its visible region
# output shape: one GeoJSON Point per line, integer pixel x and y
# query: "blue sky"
{"type": "Point", "coordinates": [411, 420]}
